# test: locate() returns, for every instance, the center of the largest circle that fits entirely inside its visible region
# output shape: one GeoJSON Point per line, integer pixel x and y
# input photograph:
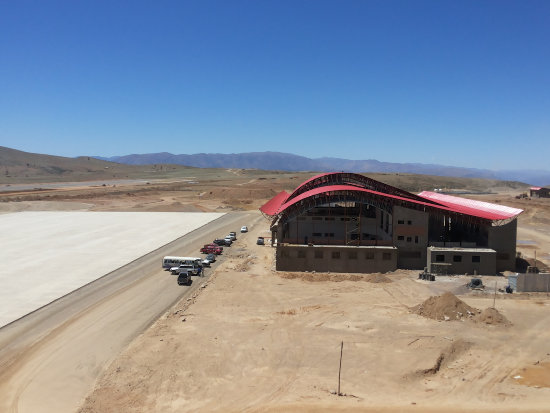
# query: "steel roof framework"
{"type": "Point", "coordinates": [344, 187]}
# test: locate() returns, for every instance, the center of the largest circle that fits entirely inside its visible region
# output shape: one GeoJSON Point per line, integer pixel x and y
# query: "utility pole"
{"type": "Point", "coordinates": [340, 368]}
{"type": "Point", "coordinates": [495, 297]}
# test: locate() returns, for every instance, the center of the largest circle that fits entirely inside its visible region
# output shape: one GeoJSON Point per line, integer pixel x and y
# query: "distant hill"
{"type": "Point", "coordinates": [19, 167]}
{"type": "Point", "coordinates": [289, 162]}
{"type": "Point", "coordinates": [24, 167]}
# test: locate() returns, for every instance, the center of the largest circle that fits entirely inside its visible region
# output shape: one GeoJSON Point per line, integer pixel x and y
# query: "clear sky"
{"type": "Point", "coordinates": [464, 83]}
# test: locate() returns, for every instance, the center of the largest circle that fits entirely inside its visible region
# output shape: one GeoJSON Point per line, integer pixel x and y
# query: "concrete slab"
{"type": "Point", "coordinates": [46, 255]}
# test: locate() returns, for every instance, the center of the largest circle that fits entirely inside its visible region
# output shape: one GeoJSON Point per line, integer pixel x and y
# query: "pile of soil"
{"type": "Point", "coordinates": [492, 316]}
{"type": "Point", "coordinates": [324, 276]}
{"type": "Point", "coordinates": [244, 266]}
{"type": "Point", "coordinates": [445, 307]}
{"type": "Point", "coordinates": [446, 356]}
{"type": "Point", "coordinates": [377, 278]}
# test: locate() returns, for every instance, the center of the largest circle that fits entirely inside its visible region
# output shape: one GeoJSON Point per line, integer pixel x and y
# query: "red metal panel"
{"type": "Point", "coordinates": [473, 207]}
{"type": "Point", "coordinates": [272, 206]}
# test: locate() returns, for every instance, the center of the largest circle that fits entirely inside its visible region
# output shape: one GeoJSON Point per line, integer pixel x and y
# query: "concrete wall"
{"type": "Point", "coordinates": [410, 236]}
{"type": "Point", "coordinates": [533, 282]}
{"type": "Point", "coordinates": [461, 261]}
{"type": "Point", "coordinates": [325, 258]}
{"type": "Point", "coordinates": [502, 239]}
{"type": "Point", "coordinates": [408, 230]}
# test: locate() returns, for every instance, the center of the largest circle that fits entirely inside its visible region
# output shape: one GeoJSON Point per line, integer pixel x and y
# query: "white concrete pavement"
{"type": "Point", "coordinates": [46, 255]}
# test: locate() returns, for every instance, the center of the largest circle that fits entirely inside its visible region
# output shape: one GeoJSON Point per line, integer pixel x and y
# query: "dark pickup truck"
{"type": "Point", "coordinates": [222, 242]}
{"type": "Point", "coordinates": [184, 278]}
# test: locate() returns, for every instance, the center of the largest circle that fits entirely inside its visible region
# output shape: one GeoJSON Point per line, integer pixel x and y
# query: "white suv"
{"type": "Point", "coordinates": [244, 228]}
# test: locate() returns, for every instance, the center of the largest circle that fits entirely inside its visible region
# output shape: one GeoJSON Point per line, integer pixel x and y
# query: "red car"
{"type": "Point", "coordinates": [213, 246]}
{"type": "Point", "coordinates": [211, 249]}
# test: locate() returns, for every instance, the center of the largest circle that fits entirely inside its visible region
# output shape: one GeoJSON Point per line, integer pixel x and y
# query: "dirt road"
{"type": "Point", "coordinates": [50, 359]}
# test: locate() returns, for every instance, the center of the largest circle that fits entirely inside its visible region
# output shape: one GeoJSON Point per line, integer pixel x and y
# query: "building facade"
{"type": "Point", "coordinates": [350, 223]}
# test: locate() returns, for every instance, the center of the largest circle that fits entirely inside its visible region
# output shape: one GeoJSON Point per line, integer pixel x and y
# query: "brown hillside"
{"type": "Point", "coordinates": [24, 167]}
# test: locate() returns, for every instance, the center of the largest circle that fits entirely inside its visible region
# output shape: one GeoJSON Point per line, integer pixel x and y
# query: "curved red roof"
{"type": "Point", "coordinates": [272, 206]}
{"type": "Point", "coordinates": [308, 181]}
{"type": "Point", "coordinates": [494, 212]}
{"type": "Point", "coordinates": [473, 207]}
{"type": "Point", "coordinates": [337, 188]}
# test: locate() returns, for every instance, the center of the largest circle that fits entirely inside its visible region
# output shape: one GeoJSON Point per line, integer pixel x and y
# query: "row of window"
{"type": "Point", "coordinates": [402, 222]}
{"type": "Point", "coordinates": [346, 219]}
{"type": "Point", "coordinates": [409, 239]}
{"type": "Point", "coordinates": [336, 255]}
{"type": "Point", "coordinates": [456, 258]}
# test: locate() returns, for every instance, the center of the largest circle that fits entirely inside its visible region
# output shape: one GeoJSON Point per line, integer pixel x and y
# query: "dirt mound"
{"type": "Point", "coordinates": [445, 307]}
{"type": "Point", "coordinates": [492, 316]}
{"type": "Point", "coordinates": [446, 356]}
{"type": "Point", "coordinates": [324, 276]}
{"type": "Point", "coordinates": [377, 278]}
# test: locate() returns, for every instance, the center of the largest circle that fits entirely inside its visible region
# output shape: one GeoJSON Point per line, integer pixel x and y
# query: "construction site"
{"type": "Point", "coordinates": [346, 222]}
{"type": "Point", "coordinates": [254, 335]}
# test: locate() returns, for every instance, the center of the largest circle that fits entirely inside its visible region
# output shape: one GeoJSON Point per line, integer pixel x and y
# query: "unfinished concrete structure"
{"type": "Point", "coordinates": [539, 192]}
{"type": "Point", "coordinates": [350, 223]}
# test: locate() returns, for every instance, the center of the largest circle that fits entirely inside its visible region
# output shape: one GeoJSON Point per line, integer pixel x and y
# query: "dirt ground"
{"type": "Point", "coordinates": [254, 339]}
{"type": "Point", "coordinates": [258, 340]}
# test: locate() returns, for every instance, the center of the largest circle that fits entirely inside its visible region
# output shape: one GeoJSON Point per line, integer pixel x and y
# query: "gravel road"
{"type": "Point", "coordinates": [50, 359]}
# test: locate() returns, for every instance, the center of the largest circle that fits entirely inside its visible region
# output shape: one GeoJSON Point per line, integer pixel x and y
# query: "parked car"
{"type": "Point", "coordinates": [190, 268]}
{"type": "Point", "coordinates": [211, 258]}
{"type": "Point", "coordinates": [205, 263]}
{"type": "Point", "coordinates": [233, 236]}
{"type": "Point", "coordinates": [244, 228]}
{"type": "Point", "coordinates": [219, 241]}
{"type": "Point", "coordinates": [228, 241]}
{"type": "Point", "coordinates": [184, 278]}
{"type": "Point", "coordinates": [260, 241]}
{"type": "Point", "coordinates": [212, 249]}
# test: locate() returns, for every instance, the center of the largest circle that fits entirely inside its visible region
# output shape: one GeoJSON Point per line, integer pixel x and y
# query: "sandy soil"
{"type": "Point", "coordinates": [256, 340]}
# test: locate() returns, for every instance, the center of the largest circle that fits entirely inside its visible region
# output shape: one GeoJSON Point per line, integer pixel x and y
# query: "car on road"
{"type": "Point", "coordinates": [233, 236]}
{"type": "Point", "coordinates": [228, 240]}
{"type": "Point", "coordinates": [244, 228]}
{"type": "Point", "coordinates": [184, 278]}
{"type": "Point", "coordinates": [219, 241]}
{"type": "Point", "coordinates": [260, 241]}
{"type": "Point", "coordinates": [211, 258]}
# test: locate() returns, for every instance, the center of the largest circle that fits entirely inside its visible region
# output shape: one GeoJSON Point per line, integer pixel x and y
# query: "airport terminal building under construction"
{"type": "Point", "coordinates": [346, 222]}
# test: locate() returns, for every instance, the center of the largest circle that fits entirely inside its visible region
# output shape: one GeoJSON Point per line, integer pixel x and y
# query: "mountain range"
{"type": "Point", "coordinates": [289, 162]}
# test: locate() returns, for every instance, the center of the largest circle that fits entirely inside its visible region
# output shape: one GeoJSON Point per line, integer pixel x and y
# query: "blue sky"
{"type": "Point", "coordinates": [464, 83]}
